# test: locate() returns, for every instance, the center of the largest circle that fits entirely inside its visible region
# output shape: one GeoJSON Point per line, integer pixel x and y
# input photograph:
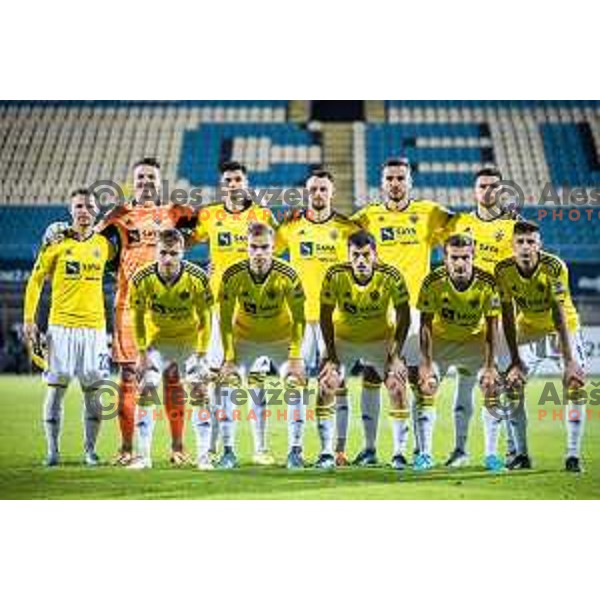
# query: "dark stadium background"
{"type": "Point", "coordinates": [49, 148]}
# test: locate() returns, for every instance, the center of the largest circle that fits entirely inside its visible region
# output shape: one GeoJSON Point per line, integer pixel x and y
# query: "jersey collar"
{"type": "Point", "coordinates": [385, 204]}
{"type": "Point", "coordinates": [331, 216]}
{"type": "Point", "coordinates": [498, 218]}
{"type": "Point", "coordinates": [237, 212]}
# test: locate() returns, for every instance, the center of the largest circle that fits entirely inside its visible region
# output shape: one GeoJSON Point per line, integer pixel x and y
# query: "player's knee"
{"type": "Point", "coordinates": [396, 388]}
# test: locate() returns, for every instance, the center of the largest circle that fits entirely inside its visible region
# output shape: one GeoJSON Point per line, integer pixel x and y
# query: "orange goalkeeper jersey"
{"type": "Point", "coordinates": [138, 228]}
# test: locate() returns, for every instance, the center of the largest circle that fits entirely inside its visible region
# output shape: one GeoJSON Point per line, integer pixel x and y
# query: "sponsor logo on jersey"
{"type": "Point", "coordinates": [387, 234]}
{"type": "Point", "coordinates": [72, 267]}
{"type": "Point", "coordinates": [390, 234]}
{"type": "Point", "coordinates": [351, 308]}
{"type": "Point", "coordinates": [306, 248]}
{"type": "Point", "coordinates": [250, 307]}
{"type": "Point", "coordinates": [224, 238]}
{"type": "Point", "coordinates": [134, 236]}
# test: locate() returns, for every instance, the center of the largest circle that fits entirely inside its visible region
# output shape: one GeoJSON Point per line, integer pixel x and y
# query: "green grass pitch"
{"type": "Point", "coordinates": [22, 449]}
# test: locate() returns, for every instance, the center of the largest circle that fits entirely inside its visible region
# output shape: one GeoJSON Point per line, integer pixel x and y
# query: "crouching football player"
{"type": "Point", "coordinates": [535, 285]}
{"type": "Point", "coordinates": [170, 302]}
{"type": "Point", "coordinates": [357, 324]}
{"type": "Point", "coordinates": [261, 315]}
{"type": "Point", "coordinates": [459, 307]}
{"type": "Point", "coordinates": [77, 328]}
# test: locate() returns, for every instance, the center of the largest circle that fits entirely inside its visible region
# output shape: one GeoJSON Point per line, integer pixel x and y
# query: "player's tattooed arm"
{"type": "Point", "coordinates": [227, 303]}
{"type": "Point", "coordinates": [328, 331]}
{"type": "Point", "coordinates": [489, 375]}
{"type": "Point", "coordinates": [491, 329]}
{"type": "Point", "coordinates": [573, 373]}
{"type": "Point", "coordinates": [510, 331]}
{"type": "Point", "coordinates": [402, 327]}
{"type": "Point", "coordinates": [427, 377]}
{"type": "Point", "coordinates": [42, 269]}
{"type": "Point", "coordinates": [426, 341]}
{"type": "Point", "coordinates": [295, 301]}
{"type": "Point", "coordinates": [516, 374]}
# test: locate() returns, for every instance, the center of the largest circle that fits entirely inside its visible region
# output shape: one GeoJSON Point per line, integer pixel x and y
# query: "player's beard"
{"type": "Point", "coordinates": [400, 198]}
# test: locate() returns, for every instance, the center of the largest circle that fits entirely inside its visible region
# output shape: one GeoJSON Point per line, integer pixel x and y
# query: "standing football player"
{"type": "Point", "coordinates": [224, 227]}
{"type": "Point", "coordinates": [491, 226]}
{"type": "Point", "coordinates": [170, 301]}
{"type": "Point", "coordinates": [133, 225]}
{"type": "Point", "coordinates": [77, 325]}
{"type": "Point", "coordinates": [534, 285]}
{"type": "Point", "coordinates": [406, 231]}
{"type": "Point", "coordinates": [356, 299]}
{"type": "Point", "coordinates": [316, 239]}
{"type": "Point", "coordinates": [261, 302]}
{"type": "Point", "coordinates": [459, 307]}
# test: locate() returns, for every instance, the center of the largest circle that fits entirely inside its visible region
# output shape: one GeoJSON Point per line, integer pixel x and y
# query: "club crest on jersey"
{"type": "Point", "coordinates": [96, 253]}
{"type": "Point", "coordinates": [184, 295]}
{"type": "Point", "coordinates": [224, 238]}
{"type": "Point", "coordinates": [307, 248]}
{"type": "Point", "coordinates": [271, 294]}
{"type": "Point", "coordinates": [68, 252]}
{"type": "Point", "coordinates": [375, 295]}
{"type": "Point", "coordinates": [473, 303]}
{"type": "Point", "coordinates": [414, 219]}
{"type": "Point", "coordinates": [499, 235]}
{"type": "Point", "coordinates": [333, 234]}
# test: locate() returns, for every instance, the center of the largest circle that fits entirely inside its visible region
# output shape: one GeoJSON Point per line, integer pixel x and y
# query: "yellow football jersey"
{"type": "Point", "coordinates": [171, 314]}
{"type": "Point", "coordinates": [227, 235]}
{"type": "Point", "coordinates": [363, 310]}
{"type": "Point", "coordinates": [405, 238]}
{"type": "Point", "coordinates": [459, 315]}
{"type": "Point", "coordinates": [265, 310]}
{"type": "Point", "coordinates": [534, 296]}
{"type": "Point", "coordinates": [76, 268]}
{"type": "Point", "coordinates": [493, 239]}
{"type": "Point", "coordinates": [313, 248]}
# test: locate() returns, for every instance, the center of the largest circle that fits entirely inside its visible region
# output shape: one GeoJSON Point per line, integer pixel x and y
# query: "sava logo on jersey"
{"type": "Point", "coordinates": [391, 234]}
{"type": "Point", "coordinates": [311, 248]}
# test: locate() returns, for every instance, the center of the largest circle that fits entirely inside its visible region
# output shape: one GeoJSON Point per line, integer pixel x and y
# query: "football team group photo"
{"type": "Point", "coordinates": [256, 299]}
